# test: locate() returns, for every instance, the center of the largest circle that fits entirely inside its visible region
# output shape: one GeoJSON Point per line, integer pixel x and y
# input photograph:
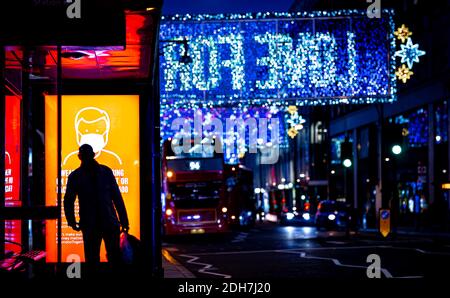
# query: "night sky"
{"type": "Point", "coordinates": [224, 6]}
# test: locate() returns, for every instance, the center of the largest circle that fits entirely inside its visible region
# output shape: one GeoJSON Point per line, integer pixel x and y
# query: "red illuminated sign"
{"type": "Point", "coordinates": [12, 170]}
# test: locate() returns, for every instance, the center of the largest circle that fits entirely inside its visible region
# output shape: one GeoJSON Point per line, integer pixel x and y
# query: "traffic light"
{"type": "Point", "coordinates": [346, 153]}
{"type": "Point", "coordinates": [394, 138]}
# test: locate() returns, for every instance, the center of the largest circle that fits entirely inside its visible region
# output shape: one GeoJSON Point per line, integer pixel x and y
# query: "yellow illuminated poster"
{"type": "Point", "coordinates": [110, 124]}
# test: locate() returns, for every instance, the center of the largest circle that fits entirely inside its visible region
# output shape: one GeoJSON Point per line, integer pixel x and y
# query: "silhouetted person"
{"type": "Point", "coordinates": [99, 202]}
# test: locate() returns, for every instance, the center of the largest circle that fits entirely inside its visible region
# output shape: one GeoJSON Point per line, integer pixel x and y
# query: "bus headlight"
{"type": "Point", "coordinates": [169, 174]}
{"type": "Point", "coordinates": [224, 209]}
{"type": "Point", "coordinates": [169, 212]}
{"type": "Point", "coordinates": [290, 215]}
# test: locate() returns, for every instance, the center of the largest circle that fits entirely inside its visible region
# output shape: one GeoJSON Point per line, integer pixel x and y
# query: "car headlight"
{"type": "Point", "coordinates": [306, 216]}
{"type": "Point", "coordinates": [289, 216]}
{"type": "Point", "coordinates": [331, 217]}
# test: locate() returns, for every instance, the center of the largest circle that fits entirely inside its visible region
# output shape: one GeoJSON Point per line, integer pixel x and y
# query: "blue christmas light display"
{"type": "Point", "coordinates": [306, 58]}
{"type": "Point", "coordinates": [257, 65]}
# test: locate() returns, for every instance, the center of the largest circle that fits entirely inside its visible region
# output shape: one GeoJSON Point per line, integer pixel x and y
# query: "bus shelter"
{"type": "Point", "coordinates": [70, 74]}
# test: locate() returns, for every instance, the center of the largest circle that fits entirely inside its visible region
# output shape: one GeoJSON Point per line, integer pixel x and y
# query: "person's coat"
{"type": "Point", "coordinates": [98, 197]}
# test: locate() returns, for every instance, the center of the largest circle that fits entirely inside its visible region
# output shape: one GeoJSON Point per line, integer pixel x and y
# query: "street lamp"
{"type": "Point", "coordinates": [396, 149]}
{"type": "Point", "coordinates": [347, 163]}
{"type": "Point", "coordinates": [395, 138]}
{"type": "Point", "coordinates": [346, 153]}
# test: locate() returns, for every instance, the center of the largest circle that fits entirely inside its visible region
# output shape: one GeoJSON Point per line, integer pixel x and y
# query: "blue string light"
{"type": "Point", "coordinates": [257, 65]}
{"type": "Point", "coordinates": [343, 58]}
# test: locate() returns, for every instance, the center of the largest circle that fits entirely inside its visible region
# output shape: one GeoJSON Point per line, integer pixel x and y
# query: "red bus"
{"type": "Point", "coordinates": [194, 193]}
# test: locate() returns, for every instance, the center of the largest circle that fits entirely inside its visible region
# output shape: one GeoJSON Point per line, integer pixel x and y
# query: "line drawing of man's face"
{"type": "Point", "coordinates": [92, 127]}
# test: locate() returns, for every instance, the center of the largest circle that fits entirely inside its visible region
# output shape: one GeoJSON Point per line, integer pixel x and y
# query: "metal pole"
{"type": "Point", "coordinates": [296, 175]}
{"type": "Point", "coordinates": [379, 195]}
{"type": "Point", "coordinates": [154, 117]}
{"type": "Point", "coordinates": [355, 168]}
{"type": "Point", "coordinates": [156, 193]}
{"type": "Point", "coordinates": [430, 170]}
{"type": "Point", "coordinates": [261, 186]}
{"type": "Point", "coordinates": [448, 166]}
{"type": "Point", "coordinates": [59, 148]}
{"type": "Point", "coordinates": [345, 184]}
{"type": "Point", "coordinates": [26, 141]}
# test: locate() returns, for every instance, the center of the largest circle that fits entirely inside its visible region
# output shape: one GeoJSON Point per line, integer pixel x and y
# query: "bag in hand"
{"type": "Point", "coordinates": [130, 248]}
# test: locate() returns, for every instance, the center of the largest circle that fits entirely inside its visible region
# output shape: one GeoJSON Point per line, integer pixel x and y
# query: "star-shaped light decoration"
{"type": "Point", "coordinates": [403, 33]}
{"type": "Point", "coordinates": [409, 53]}
{"type": "Point", "coordinates": [403, 73]}
{"type": "Point", "coordinates": [405, 132]}
{"type": "Point", "coordinates": [292, 110]}
{"type": "Point", "coordinates": [292, 132]}
{"type": "Point", "coordinates": [296, 121]}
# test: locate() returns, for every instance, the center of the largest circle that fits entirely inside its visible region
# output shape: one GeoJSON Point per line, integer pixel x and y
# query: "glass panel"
{"type": "Point", "coordinates": [13, 102]}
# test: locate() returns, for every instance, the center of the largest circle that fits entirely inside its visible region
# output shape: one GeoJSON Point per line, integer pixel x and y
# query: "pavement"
{"type": "Point", "coordinates": [273, 251]}
{"type": "Point", "coordinates": [172, 268]}
{"type": "Point", "coordinates": [404, 231]}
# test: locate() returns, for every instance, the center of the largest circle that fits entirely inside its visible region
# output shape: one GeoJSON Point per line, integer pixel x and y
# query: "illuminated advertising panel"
{"type": "Point", "coordinates": [12, 170]}
{"type": "Point", "coordinates": [110, 124]}
{"type": "Point", "coordinates": [312, 58]}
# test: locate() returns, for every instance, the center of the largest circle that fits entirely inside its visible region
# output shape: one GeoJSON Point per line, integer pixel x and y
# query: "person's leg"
{"type": "Point", "coordinates": [92, 241]}
{"type": "Point", "coordinates": [112, 245]}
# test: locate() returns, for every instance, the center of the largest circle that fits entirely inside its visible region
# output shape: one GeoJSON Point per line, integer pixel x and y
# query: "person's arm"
{"type": "Point", "coordinates": [118, 203]}
{"type": "Point", "coordinates": [69, 202]}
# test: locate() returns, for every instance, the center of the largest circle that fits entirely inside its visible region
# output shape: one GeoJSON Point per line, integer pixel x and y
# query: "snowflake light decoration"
{"type": "Point", "coordinates": [294, 120]}
{"type": "Point", "coordinates": [403, 33]}
{"type": "Point", "coordinates": [409, 53]}
{"type": "Point", "coordinates": [403, 73]}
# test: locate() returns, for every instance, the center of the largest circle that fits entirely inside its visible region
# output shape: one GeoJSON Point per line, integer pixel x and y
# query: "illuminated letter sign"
{"type": "Point", "coordinates": [312, 58]}
{"type": "Point", "coordinates": [110, 124]}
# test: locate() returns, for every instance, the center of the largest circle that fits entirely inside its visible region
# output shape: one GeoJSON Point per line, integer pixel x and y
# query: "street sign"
{"type": "Point", "coordinates": [385, 222]}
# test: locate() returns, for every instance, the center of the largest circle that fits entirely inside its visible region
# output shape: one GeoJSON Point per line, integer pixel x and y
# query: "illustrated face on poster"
{"type": "Point", "coordinates": [110, 124]}
{"type": "Point", "coordinates": [12, 170]}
